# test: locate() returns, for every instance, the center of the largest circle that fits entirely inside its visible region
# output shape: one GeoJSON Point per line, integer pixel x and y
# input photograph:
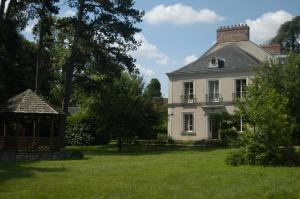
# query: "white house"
{"type": "Point", "coordinates": [212, 83]}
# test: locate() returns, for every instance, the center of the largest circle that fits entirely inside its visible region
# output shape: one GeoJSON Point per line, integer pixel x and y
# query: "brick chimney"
{"type": "Point", "coordinates": [275, 49]}
{"type": "Point", "coordinates": [232, 33]}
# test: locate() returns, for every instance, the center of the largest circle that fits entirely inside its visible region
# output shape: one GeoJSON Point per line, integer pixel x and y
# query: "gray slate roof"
{"type": "Point", "coordinates": [27, 102]}
{"type": "Point", "coordinates": [235, 58]}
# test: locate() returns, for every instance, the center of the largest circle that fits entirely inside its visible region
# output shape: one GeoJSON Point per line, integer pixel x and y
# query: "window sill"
{"type": "Point", "coordinates": [188, 133]}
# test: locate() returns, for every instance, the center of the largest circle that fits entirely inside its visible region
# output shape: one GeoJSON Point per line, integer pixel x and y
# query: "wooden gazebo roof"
{"type": "Point", "coordinates": [29, 103]}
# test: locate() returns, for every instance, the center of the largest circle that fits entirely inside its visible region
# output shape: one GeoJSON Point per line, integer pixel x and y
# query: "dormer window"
{"type": "Point", "coordinates": [216, 63]}
{"type": "Point", "coordinates": [213, 62]}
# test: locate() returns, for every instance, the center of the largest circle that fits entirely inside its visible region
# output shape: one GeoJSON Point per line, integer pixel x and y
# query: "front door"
{"type": "Point", "coordinates": [214, 129]}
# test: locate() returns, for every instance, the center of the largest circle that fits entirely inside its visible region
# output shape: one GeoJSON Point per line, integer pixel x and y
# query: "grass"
{"type": "Point", "coordinates": [147, 172]}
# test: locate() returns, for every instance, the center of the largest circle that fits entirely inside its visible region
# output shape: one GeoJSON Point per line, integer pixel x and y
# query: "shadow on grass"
{"type": "Point", "coordinates": [16, 170]}
{"type": "Point", "coordinates": [136, 150]}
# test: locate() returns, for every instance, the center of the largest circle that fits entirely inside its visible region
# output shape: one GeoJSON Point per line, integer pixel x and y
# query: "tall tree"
{"type": "Point", "coordinates": [17, 55]}
{"type": "Point", "coordinates": [103, 34]}
{"type": "Point", "coordinates": [288, 35]}
{"type": "Point", "coordinates": [153, 89]}
{"type": "Point", "coordinates": [44, 10]}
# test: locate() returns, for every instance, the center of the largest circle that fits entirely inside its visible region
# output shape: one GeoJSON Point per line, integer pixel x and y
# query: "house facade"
{"type": "Point", "coordinates": [213, 83]}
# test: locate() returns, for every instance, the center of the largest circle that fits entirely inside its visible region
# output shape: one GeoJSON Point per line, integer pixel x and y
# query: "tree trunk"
{"type": "Point", "coordinates": [39, 59]}
{"type": "Point", "coordinates": [2, 7]}
{"type": "Point", "coordinates": [8, 10]}
{"type": "Point", "coordinates": [120, 143]}
{"type": "Point", "coordinates": [69, 64]}
{"type": "Point", "coordinates": [69, 67]}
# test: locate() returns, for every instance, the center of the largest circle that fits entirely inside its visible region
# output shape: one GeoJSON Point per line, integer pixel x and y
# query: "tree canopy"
{"type": "Point", "coordinates": [288, 35]}
{"type": "Point", "coordinates": [153, 89]}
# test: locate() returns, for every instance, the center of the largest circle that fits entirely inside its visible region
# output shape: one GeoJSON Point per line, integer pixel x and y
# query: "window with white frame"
{"type": "Point", "coordinates": [188, 122]}
{"type": "Point", "coordinates": [240, 88]}
{"type": "Point", "coordinates": [213, 91]}
{"type": "Point", "coordinates": [188, 91]}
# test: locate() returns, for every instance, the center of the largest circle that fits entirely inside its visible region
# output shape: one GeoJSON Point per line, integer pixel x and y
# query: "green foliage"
{"type": "Point", "coordinates": [266, 109]}
{"type": "Point", "coordinates": [120, 109]}
{"type": "Point", "coordinates": [235, 158]}
{"type": "Point", "coordinates": [161, 124]}
{"type": "Point", "coordinates": [229, 125]}
{"type": "Point", "coordinates": [288, 35]}
{"type": "Point", "coordinates": [79, 132]}
{"type": "Point", "coordinates": [164, 139]}
{"type": "Point", "coordinates": [230, 137]}
{"type": "Point", "coordinates": [153, 89]}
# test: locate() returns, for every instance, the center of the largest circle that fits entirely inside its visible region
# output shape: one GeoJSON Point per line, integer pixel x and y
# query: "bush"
{"type": "Point", "coordinates": [236, 158]}
{"type": "Point", "coordinates": [230, 137]}
{"type": "Point", "coordinates": [162, 138]}
{"type": "Point", "coordinates": [286, 157]}
{"type": "Point", "coordinates": [258, 149]}
{"type": "Point", "coordinates": [78, 132]}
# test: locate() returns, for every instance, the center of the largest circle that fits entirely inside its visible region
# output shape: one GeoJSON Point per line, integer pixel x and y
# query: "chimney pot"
{"type": "Point", "coordinates": [233, 33]}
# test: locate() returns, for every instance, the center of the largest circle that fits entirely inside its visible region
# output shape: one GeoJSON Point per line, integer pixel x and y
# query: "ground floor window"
{"type": "Point", "coordinates": [188, 121]}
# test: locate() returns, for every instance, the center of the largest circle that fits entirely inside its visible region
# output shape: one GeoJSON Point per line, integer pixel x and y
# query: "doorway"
{"type": "Point", "coordinates": [213, 126]}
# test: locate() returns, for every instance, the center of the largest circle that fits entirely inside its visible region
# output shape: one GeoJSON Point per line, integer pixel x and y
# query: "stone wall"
{"type": "Point", "coordinates": [8, 156]}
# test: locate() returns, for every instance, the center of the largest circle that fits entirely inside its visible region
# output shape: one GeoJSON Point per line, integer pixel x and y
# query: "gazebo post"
{"type": "Point", "coordinates": [17, 132]}
{"type": "Point", "coordinates": [4, 129]}
{"type": "Point", "coordinates": [38, 126]}
{"type": "Point", "coordinates": [52, 133]}
{"type": "Point", "coordinates": [34, 128]}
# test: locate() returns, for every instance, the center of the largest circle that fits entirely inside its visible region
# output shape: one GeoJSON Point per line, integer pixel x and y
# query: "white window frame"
{"type": "Point", "coordinates": [241, 88]}
{"type": "Point", "coordinates": [189, 100]}
{"type": "Point", "coordinates": [208, 89]}
{"type": "Point", "coordinates": [183, 123]}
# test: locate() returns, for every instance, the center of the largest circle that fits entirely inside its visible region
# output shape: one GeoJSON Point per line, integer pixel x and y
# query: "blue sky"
{"type": "Point", "coordinates": [176, 32]}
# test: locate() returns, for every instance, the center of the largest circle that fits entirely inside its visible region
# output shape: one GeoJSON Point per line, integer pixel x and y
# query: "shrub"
{"type": "Point", "coordinates": [78, 132]}
{"type": "Point", "coordinates": [286, 157]}
{"type": "Point", "coordinates": [162, 138]}
{"type": "Point", "coordinates": [171, 140]}
{"type": "Point", "coordinates": [230, 137]}
{"type": "Point", "coordinates": [236, 158]}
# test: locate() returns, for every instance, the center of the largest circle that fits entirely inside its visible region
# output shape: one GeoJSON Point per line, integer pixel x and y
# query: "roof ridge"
{"type": "Point", "coordinates": [245, 53]}
{"type": "Point", "coordinates": [22, 100]}
{"type": "Point", "coordinates": [262, 49]}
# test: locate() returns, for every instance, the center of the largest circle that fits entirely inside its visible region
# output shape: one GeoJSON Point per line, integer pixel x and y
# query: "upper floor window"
{"type": "Point", "coordinates": [188, 92]}
{"type": "Point", "coordinates": [240, 88]}
{"type": "Point", "coordinates": [213, 91]}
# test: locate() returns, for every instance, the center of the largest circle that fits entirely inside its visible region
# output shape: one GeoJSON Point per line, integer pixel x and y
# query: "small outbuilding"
{"type": "Point", "coordinates": [29, 124]}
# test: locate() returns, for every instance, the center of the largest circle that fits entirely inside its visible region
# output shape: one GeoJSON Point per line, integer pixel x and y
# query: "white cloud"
{"type": "Point", "coordinates": [190, 59]}
{"type": "Point", "coordinates": [148, 73]}
{"type": "Point", "coordinates": [180, 14]}
{"type": "Point", "coordinates": [265, 27]}
{"type": "Point", "coordinates": [149, 51]}
{"type": "Point", "coordinates": [69, 13]}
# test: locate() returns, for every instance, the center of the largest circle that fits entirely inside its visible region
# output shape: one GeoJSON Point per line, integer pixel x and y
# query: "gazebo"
{"type": "Point", "coordinates": [28, 124]}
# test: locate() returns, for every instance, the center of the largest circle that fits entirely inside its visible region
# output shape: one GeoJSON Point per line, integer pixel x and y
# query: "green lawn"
{"type": "Point", "coordinates": [147, 172]}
